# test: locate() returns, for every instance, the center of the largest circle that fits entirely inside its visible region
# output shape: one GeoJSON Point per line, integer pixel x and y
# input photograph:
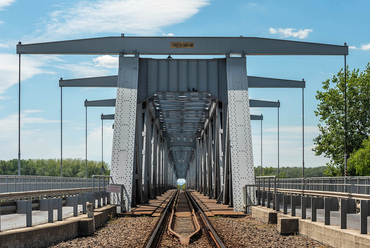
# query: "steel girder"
{"type": "Point", "coordinates": [182, 46]}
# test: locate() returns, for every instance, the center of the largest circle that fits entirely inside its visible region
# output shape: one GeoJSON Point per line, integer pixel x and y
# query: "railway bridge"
{"type": "Point", "coordinates": [185, 117]}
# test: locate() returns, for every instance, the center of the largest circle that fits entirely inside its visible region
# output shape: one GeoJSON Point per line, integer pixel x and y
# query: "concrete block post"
{"type": "Point", "coordinates": [303, 206]}
{"type": "Point", "coordinates": [285, 204]}
{"type": "Point", "coordinates": [363, 214]}
{"type": "Point", "coordinates": [292, 204]}
{"type": "Point", "coordinates": [343, 213]}
{"type": "Point", "coordinates": [327, 207]}
{"type": "Point", "coordinates": [313, 208]}
{"type": "Point", "coordinates": [90, 213]}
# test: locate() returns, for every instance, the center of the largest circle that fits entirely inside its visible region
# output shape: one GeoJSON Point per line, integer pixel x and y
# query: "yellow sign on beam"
{"type": "Point", "coordinates": [182, 44]}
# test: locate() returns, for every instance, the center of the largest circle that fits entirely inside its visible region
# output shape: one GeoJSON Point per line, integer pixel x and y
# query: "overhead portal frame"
{"type": "Point", "coordinates": [224, 136]}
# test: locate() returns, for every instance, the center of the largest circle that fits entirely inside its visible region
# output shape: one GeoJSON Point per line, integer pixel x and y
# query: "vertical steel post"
{"type": "Point", "coordinates": [19, 115]}
{"type": "Point", "coordinates": [102, 144]}
{"type": "Point", "coordinates": [345, 120]}
{"type": "Point", "coordinates": [86, 138]}
{"type": "Point", "coordinates": [363, 214]}
{"type": "Point", "coordinates": [303, 181]}
{"type": "Point", "coordinates": [61, 131]}
{"type": "Point", "coordinates": [343, 213]}
{"type": "Point", "coordinates": [278, 133]}
{"type": "Point", "coordinates": [261, 146]}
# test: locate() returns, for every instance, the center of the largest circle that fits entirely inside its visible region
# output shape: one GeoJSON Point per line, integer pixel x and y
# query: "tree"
{"type": "Point", "coordinates": [330, 141]}
{"type": "Point", "coordinates": [359, 162]}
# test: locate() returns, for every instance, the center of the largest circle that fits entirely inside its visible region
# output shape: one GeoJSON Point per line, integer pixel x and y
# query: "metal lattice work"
{"type": "Point", "coordinates": [182, 116]}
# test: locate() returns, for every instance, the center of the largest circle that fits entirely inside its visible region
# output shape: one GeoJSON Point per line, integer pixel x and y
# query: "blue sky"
{"type": "Point", "coordinates": [332, 22]}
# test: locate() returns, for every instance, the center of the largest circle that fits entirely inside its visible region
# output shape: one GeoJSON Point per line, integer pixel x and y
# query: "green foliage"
{"type": "Point", "coordinates": [183, 186]}
{"type": "Point", "coordinates": [51, 167]}
{"type": "Point", "coordinates": [291, 172]}
{"type": "Point", "coordinates": [359, 162]}
{"type": "Point", "coordinates": [330, 109]}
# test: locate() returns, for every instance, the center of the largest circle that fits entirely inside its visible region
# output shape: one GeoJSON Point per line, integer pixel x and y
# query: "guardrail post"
{"type": "Point", "coordinates": [303, 206]}
{"type": "Point", "coordinates": [327, 206]}
{"type": "Point", "coordinates": [285, 204]}
{"type": "Point", "coordinates": [25, 207]}
{"type": "Point", "coordinates": [277, 202]}
{"type": "Point", "coordinates": [263, 197]}
{"type": "Point", "coordinates": [268, 199]}
{"type": "Point", "coordinates": [363, 214]}
{"type": "Point", "coordinates": [343, 213]}
{"type": "Point", "coordinates": [292, 204]}
{"type": "Point", "coordinates": [58, 204]}
{"type": "Point", "coordinates": [313, 208]}
{"type": "Point", "coordinates": [50, 210]}
{"type": "Point", "coordinates": [84, 203]}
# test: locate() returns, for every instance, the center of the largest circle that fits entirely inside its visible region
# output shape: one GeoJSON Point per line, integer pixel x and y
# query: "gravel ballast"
{"type": "Point", "coordinates": [234, 232]}
{"type": "Point", "coordinates": [249, 232]}
{"type": "Point", "coordinates": [119, 232]}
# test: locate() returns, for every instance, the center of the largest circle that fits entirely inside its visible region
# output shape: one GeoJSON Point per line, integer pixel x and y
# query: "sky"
{"type": "Point", "coordinates": [330, 22]}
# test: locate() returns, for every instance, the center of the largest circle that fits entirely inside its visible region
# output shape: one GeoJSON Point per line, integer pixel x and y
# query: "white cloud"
{"type": "Point", "coordinates": [139, 17]}
{"type": "Point", "coordinates": [2, 45]}
{"type": "Point", "coordinates": [106, 61]}
{"type": "Point", "coordinates": [352, 47]}
{"type": "Point", "coordinates": [168, 34]}
{"type": "Point", "coordinates": [291, 32]}
{"type": "Point", "coordinates": [84, 69]}
{"type": "Point", "coordinates": [5, 3]}
{"type": "Point", "coordinates": [365, 47]}
{"type": "Point", "coordinates": [31, 66]}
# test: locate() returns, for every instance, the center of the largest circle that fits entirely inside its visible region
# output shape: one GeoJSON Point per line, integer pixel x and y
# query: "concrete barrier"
{"type": "Point", "coordinates": [264, 214]}
{"type": "Point", "coordinates": [333, 235]}
{"type": "Point", "coordinates": [47, 234]}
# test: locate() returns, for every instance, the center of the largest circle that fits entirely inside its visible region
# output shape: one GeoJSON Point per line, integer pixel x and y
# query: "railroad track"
{"type": "Point", "coordinates": [184, 220]}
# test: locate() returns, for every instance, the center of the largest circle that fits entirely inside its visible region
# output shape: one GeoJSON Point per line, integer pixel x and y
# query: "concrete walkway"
{"type": "Point", "coordinates": [13, 221]}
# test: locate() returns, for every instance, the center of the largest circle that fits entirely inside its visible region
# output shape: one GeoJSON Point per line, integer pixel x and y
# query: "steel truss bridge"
{"type": "Point", "coordinates": [182, 118]}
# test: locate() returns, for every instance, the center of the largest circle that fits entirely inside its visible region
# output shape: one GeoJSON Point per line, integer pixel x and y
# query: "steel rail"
{"type": "Point", "coordinates": [184, 240]}
{"type": "Point", "coordinates": [211, 231]}
{"type": "Point", "coordinates": [155, 237]}
{"type": "Point", "coordinates": [28, 194]}
{"type": "Point", "coordinates": [325, 194]}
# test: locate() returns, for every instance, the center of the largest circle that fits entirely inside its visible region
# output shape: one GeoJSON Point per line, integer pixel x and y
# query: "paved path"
{"type": "Point", "coordinates": [12, 221]}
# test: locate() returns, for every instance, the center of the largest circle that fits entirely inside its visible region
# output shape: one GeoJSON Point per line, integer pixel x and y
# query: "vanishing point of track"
{"type": "Point", "coordinates": [184, 220]}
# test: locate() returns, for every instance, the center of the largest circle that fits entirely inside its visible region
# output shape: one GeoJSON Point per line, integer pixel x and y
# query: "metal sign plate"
{"type": "Point", "coordinates": [113, 188]}
{"type": "Point", "coordinates": [182, 44]}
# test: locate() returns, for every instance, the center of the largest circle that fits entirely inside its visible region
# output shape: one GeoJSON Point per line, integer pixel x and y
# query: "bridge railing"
{"type": "Point", "coordinates": [13, 183]}
{"type": "Point", "coordinates": [358, 185]}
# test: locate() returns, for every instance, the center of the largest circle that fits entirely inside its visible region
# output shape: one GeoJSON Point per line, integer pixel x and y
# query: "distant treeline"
{"type": "Point", "coordinates": [291, 172]}
{"type": "Point", "coordinates": [51, 167]}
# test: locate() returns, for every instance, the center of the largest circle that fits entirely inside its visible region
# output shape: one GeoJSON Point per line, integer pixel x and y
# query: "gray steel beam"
{"type": "Point", "coordinates": [182, 46]}
{"type": "Point", "coordinates": [108, 81]}
{"type": "Point", "coordinates": [263, 104]}
{"type": "Point", "coordinates": [107, 117]}
{"type": "Point", "coordinates": [262, 82]}
{"type": "Point", "coordinates": [253, 82]}
{"type": "Point", "coordinates": [101, 103]}
{"type": "Point", "coordinates": [256, 117]}
{"type": "Point", "coordinates": [111, 117]}
{"type": "Point", "coordinates": [253, 103]}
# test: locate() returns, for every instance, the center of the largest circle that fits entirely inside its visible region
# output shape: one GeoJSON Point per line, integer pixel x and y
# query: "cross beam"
{"type": "Point", "coordinates": [253, 82]}
{"type": "Point", "coordinates": [253, 103]}
{"type": "Point", "coordinates": [182, 46]}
